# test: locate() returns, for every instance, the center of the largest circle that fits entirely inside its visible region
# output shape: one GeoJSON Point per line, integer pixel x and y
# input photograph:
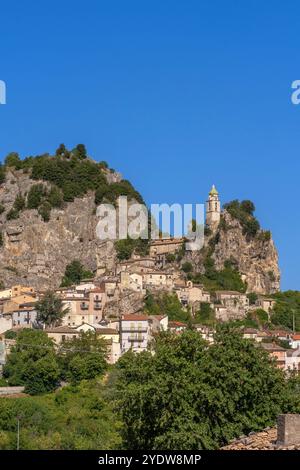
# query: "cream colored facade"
{"type": "Point", "coordinates": [132, 281]}
{"type": "Point", "coordinates": [191, 295]}
{"type": "Point", "coordinates": [158, 279]}
{"type": "Point", "coordinates": [87, 309]}
{"type": "Point", "coordinates": [165, 245]}
{"type": "Point", "coordinates": [213, 209]}
{"type": "Point", "coordinates": [16, 291]}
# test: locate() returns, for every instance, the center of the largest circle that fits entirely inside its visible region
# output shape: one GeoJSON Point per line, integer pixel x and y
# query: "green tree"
{"type": "Point", "coordinates": [12, 214]}
{"type": "Point", "coordinates": [35, 196]}
{"type": "Point", "coordinates": [55, 197]}
{"type": "Point", "coordinates": [74, 273]}
{"type": "Point", "coordinates": [187, 267]}
{"type": "Point", "coordinates": [166, 304]}
{"type": "Point", "coordinates": [84, 357]}
{"type": "Point", "coordinates": [13, 160]}
{"type": "Point", "coordinates": [32, 362]}
{"type": "Point", "coordinates": [45, 211]}
{"type": "Point", "coordinates": [50, 309]}
{"type": "Point", "coordinates": [2, 173]}
{"type": "Point", "coordinates": [189, 396]}
{"type": "Point", "coordinates": [19, 203]}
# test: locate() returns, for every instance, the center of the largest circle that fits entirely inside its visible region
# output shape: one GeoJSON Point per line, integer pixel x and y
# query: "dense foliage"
{"type": "Point", "coordinates": [32, 363]}
{"type": "Point", "coordinates": [166, 304]}
{"type": "Point", "coordinates": [74, 273]}
{"type": "Point", "coordinates": [50, 309]}
{"type": "Point", "coordinates": [70, 174]}
{"type": "Point", "coordinates": [243, 212]}
{"type": "Point", "coordinates": [82, 357]}
{"type": "Point", "coordinates": [287, 309]}
{"type": "Point", "coordinates": [37, 364]}
{"type": "Point", "coordinates": [74, 418]}
{"type": "Point", "coordinates": [226, 279]}
{"type": "Point", "coordinates": [188, 396]}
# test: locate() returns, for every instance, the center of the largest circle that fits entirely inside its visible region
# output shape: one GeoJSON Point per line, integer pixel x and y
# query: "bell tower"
{"type": "Point", "coordinates": [213, 209]}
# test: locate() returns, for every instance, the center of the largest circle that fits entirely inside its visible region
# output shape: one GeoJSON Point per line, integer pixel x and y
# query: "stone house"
{"type": "Point", "coordinates": [277, 352]}
{"type": "Point", "coordinates": [16, 291]}
{"type": "Point", "coordinates": [24, 316]}
{"type": "Point", "coordinates": [5, 322]}
{"type": "Point", "coordinates": [87, 309]}
{"type": "Point", "coordinates": [138, 265]}
{"type": "Point", "coordinates": [158, 323]}
{"type": "Point", "coordinates": [250, 333]}
{"type": "Point", "coordinates": [158, 280]}
{"type": "Point", "coordinates": [132, 282]}
{"type": "Point", "coordinates": [134, 332]}
{"type": "Point", "coordinates": [232, 299]}
{"type": "Point", "coordinates": [295, 341]}
{"type": "Point", "coordinates": [163, 246]}
{"type": "Point", "coordinates": [176, 326]}
{"type": "Point", "coordinates": [267, 304]}
{"type": "Point", "coordinates": [292, 361]}
{"type": "Point", "coordinates": [62, 333]}
{"type": "Point", "coordinates": [192, 295]}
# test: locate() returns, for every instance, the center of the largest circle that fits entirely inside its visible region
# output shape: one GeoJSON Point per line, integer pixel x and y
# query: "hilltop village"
{"type": "Point", "coordinates": [113, 306]}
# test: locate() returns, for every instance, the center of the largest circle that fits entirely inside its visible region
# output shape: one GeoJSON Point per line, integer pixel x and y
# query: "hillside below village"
{"type": "Point", "coordinates": [64, 293]}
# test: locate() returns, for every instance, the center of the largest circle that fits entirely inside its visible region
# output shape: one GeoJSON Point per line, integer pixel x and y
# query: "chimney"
{"type": "Point", "coordinates": [288, 430]}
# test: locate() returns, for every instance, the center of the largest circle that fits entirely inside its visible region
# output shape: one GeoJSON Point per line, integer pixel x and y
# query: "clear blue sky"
{"type": "Point", "coordinates": [177, 95]}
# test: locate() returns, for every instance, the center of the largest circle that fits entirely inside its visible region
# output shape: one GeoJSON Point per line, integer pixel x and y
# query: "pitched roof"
{"type": "Point", "coordinates": [107, 331]}
{"type": "Point", "coordinates": [176, 323]}
{"type": "Point", "coordinates": [62, 329]}
{"type": "Point", "coordinates": [133, 317]}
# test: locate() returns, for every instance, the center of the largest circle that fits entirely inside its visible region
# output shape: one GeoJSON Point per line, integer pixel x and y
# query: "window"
{"type": "Point", "coordinates": [97, 297]}
{"type": "Point", "coordinates": [63, 338]}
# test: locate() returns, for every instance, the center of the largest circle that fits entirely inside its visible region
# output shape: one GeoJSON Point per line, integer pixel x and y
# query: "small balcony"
{"type": "Point", "coordinates": [134, 330]}
{"type": "Point", "coordinates": [84, 307]}
{"type": "Point", "coordinates": [136, 339]}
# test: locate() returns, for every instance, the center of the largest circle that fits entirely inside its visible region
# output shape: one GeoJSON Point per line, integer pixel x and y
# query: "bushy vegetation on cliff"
{"type": "Point", "coordinates": [243, 211]}
{"type": "Point", "coordinates": [71, 174]}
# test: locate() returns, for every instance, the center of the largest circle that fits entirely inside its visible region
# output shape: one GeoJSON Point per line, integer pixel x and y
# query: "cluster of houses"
{"type": "Point", "coordinates": [85, 306]}
{"type": "Point", "coordinates": [287, 355]}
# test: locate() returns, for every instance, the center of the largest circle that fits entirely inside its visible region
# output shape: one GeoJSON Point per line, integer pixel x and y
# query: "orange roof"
{"type": "Point", "coordinates": [176, 323]}
{"type": "Point", "coordinates": [133, 317]}
{"type": "Point", "coordinates": [296, 337]}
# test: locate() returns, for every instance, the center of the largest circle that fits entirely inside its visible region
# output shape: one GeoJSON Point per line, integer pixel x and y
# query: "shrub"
{"type": "Point", "coordinates": [35, 196]}
{"type": "Point", "coordinates": [170, 257]}
{"type": "Point", "coordinates": [12, 214]}
{"type": "Point", "coordinates": [19, 203]}
{"type": "Point", "coordinates": [187, 267]}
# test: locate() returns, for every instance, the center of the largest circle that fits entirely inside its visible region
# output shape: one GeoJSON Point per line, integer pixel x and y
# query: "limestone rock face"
{"type": "Point", "coordinates": [257, 258]}
{"type": "Point", "coordinates": [35, 252]}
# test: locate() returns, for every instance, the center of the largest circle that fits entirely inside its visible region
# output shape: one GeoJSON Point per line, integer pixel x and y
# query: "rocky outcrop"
{"type": "Point", "coordinates": [256, 257]}
{"type": "Point", "coordinates": [35, 252]}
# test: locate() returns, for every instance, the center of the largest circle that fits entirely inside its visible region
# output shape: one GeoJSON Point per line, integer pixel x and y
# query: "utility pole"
{"type": "Point", "coordinates": [18, 432]}
{"type": "Point", "coordinates": [294, 321]}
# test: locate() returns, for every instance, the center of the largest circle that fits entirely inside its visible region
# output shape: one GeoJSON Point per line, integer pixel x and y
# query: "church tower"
{"type": "Point", "coordinates": [213, 209]}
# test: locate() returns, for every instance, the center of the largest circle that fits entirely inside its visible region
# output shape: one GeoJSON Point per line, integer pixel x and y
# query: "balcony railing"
{"type": "Point", "coordinates": [136, 339]}
{"type": "Point", "coordinates": [84, 307]}
{"type": "Point", "coordinates": [134, 330]}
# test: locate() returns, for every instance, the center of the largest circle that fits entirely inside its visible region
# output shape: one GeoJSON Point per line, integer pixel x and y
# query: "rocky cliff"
{"type": "Point", "coordinates": [35, 252]}
{"type": "Point", "coordinates": [256, 257]}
